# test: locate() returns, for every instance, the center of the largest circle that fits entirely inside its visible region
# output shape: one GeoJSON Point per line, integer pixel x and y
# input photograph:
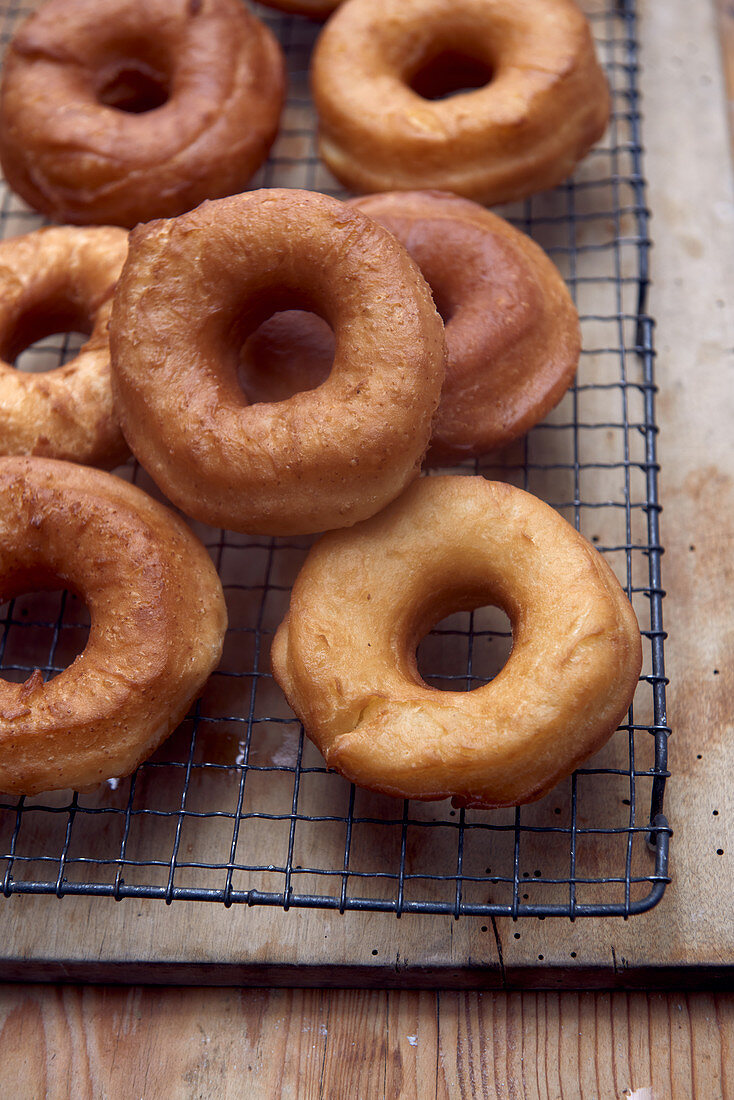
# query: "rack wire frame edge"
{"type": "Point", "coordinates": [658, 831]}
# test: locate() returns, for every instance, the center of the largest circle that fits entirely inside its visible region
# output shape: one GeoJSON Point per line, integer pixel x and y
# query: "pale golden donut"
{"type": "Point", "coordinates": [512, 330]}
{"type": "Point", "coordinates": [191, 292]}
{"type": "Point", "coordinates": [157, 623]}
{"type": "Point", "coordinates": [345, 653]}
{"type": "Point", "coordinates": [56, 280]}
{"type": "Point", "coordinates": [314, 9]}
{"type": "Point", "coordinates": [544, 100]}
{"type": "Point", "coordinates": [118, 111]}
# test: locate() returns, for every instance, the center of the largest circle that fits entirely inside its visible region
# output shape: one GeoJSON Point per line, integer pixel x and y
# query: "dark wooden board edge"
{"type": "Point", "coordinates": [131, 972]}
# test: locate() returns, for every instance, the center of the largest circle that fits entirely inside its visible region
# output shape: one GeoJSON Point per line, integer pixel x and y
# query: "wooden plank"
{"type": "Point", "coordinates": [691, 195]}
{"type": "Point", "coordinates": [725, 13]}
{"type": "Point", "coordinates": [693, 269]}
{"type": "Point", "coordinates": [129, 1043]}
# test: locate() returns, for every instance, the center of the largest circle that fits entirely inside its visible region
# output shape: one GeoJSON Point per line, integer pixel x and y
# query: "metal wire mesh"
{"type": "Point", "coordinates": [237, 806]}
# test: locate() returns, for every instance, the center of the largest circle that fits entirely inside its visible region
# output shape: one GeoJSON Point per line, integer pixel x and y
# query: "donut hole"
{"type": "Point", "coordinates": [449, 73]}
{"type": "Point", "coordinates": [51, 352]}
{"type": "Point", "coordinates": [138, 82]}
{"type": "Point", "coordinates": [135, 91]}
{"type": "Point", "coordinates": [46, 336]}
{"type": "Point", "coordinates": [465, 650]}
{"type": "Point", "coordinates": [290, 352]}
{"type": "Point", "coordinates": [444, 299]}
{"type": "Point", "coordinates": [41, 628]}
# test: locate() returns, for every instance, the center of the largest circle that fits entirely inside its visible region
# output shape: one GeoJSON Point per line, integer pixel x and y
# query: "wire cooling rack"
{"type": "Point", "coordinates": [237, 805]}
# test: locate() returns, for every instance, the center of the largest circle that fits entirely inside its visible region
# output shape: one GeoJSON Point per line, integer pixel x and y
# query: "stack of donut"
{"type": "Point", "coordinates": [284, 363]}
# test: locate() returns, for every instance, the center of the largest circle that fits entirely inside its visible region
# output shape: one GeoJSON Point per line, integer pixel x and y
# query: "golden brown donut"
{"type": "Point", "coordinates": [314, 9]}
{"type": "Point", "coordinates": [118, 111]}
{"type": "Point", "coordinates": [512, 330]}
{"type": "Point", "coordinates": [157, 623]}
{"type": "Point", "coordinates": [191, 292]}
{"type": "Point", "coordinates": [539, 99]}
{"type": "Point", "coordinates": [345, 653]}
{"type": "Point", "coordinates": [57, 280]}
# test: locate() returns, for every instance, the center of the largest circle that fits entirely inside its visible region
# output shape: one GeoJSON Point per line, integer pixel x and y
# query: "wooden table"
{"type": "Point", "coordinates": [183, 1044]}
{"type": "Point", "coordinates": [132, 1042]}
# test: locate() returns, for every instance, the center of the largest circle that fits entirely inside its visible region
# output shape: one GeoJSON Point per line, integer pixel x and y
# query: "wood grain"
{"type": "Point", "coordinates": [128, 1043]}
{"type": "Point", "coordinates": [725, 14]}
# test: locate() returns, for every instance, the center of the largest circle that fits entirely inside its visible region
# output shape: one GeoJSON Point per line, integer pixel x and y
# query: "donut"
{"type": "Point", "coordinates": [323, 458]}
{"type": "Point", "coordinates": [60, 280]}
{"type": "Point", "coordinates": [383, 76]}
{"type": "Point", "coordinates": [314, 9]}
{"type": "Point", "coordinates": [118, 111]}
{"type": "Point", "coordinates": [157, 623]}
{"type": "Point", "coordinates": [345, 653]}
{"type": "Point", "coordinates": [512, 330]}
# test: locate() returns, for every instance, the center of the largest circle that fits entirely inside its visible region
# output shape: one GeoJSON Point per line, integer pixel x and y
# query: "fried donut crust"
{"type": "Point", "coordinates": [325, 458]}
{"type": "Point", "coordinates": [157, 623]}
{"type": "Point", "coordinates": [59, 279]}
{"type": "Point", "coordinates": [512, 330]}
{"type": "Point", "coordinates": [345, 653]}
{"type": "Point", "coordinates": [77, 141]}
{"type": "Point", "coordinates": [546, 104]}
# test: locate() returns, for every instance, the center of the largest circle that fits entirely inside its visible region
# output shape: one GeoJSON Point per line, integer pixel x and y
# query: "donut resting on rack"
{"type": "Point", "coordinates": [512, 330]}
{"type": "Point", "coordinates": [60, 279]}
{"type": "Point", "coordinates": [157, 623]}
{"type": "Point", "coordinates": [345, 655]}
{"type": "Point", "coordinates": [385, 78]}
{"type": "Point", "coordinates": [136, 109]}
{"type": "Point", "coordinates": [324, 458]}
